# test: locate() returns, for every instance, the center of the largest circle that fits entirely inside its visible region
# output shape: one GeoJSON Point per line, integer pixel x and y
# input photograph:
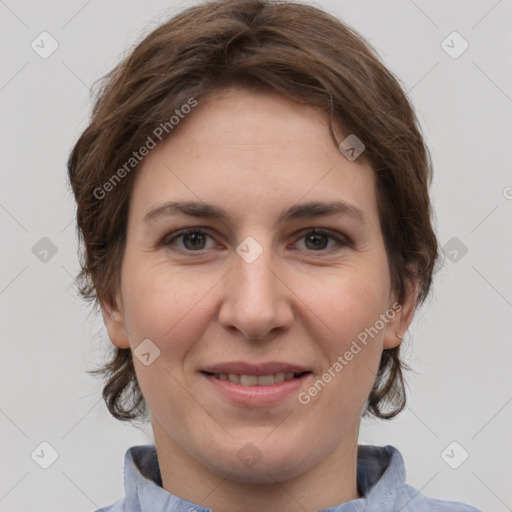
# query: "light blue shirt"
{"type": "Point", "coordinates": [380, 479]}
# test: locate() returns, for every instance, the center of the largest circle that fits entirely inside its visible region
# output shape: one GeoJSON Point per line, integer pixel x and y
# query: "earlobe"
{"type": "Point", "coordinates": [398, 325]}
{"type": "Point", "coordinates": [113, 317]}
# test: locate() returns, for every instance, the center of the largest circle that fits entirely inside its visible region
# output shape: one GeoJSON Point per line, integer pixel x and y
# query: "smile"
{"type": "Point", "coordinates": [249, 385]}
{"type": "Point", "coordinates": [257, 380]}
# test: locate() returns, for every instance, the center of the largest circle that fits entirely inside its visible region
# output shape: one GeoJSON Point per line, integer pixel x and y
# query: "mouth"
{"type": "Point", "coordinates": [252, 385]}
{"type": "Point", "coordinates": [257, 380]}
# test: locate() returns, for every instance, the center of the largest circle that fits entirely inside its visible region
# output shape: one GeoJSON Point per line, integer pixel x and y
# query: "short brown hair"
{"type": "Point", "coordinates": [278, 46]}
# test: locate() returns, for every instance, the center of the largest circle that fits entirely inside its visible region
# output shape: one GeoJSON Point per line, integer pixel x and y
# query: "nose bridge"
{"type": "Point", "coordinates": [253, 271]}
{"type": "Point", "coordinates": [255, 302]}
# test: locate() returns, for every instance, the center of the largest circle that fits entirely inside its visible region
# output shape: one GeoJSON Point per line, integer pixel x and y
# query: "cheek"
{"type": "Point", "coordinates": [348, 306]}
{"type": "Point", "coordinates": [168, 307]}
{"type": "Point", "coordinates": [165, 304]}
{"type": "Point", "coordinates": [346, 302]}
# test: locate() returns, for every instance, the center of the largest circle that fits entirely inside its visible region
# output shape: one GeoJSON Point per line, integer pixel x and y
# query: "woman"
{"type": "Point", "coordinates": [252, 195]}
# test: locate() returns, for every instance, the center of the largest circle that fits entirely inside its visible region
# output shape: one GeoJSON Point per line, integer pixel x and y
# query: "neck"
{"type": "Point", "coordinates": [331, 482]}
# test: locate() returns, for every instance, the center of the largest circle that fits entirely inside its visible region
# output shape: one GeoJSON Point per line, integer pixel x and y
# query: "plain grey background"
{"type": "Point", "coordinates": [459, 344]}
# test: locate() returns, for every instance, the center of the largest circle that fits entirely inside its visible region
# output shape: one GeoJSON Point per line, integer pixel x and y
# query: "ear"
{"type": "Point", "coordinates": [400, 321]}
{"type": "Point", "coordinates": [113, 316]}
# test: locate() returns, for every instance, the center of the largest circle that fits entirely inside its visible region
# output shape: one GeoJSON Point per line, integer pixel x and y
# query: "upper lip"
{"type": "Point", "coordinates": [242, 368]}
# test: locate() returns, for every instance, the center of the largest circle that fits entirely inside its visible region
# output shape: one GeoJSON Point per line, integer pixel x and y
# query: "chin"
{"type": "Point", "coordinates": [266, 471]}
{"type": "Point", "coordinates": [264, 461]}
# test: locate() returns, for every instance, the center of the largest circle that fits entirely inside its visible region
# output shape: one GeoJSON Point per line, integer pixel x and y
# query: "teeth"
{"type": "Point", "coordinates": [253, 380]}
{"type": "Point", "coordinates": [264, 380]}
{"type": "Point", "coordinates": [233, 377]}
{"type": "Point", "coordinates": [279, 377]}
{"type": "Point", "coordinates": [249, 380]}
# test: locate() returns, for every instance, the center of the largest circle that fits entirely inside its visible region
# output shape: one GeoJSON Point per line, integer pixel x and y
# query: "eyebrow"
{"type": "Point", "coordinates": [299, 211]}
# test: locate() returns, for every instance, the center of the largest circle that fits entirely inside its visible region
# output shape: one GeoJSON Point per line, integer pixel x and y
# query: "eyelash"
{"type": "Point", "coordinates": [342, 241]}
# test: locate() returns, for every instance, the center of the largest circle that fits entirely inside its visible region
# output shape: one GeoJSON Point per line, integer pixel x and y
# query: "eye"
{"type": "Point", "coordinates": [318, 240]}
{"type": "Point", "coordinates": [196, 240]}
{"type": "Point", "coordinates": [192, 239]}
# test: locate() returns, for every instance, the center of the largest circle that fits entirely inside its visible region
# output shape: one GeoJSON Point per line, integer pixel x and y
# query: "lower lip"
{"type": "Point", "coordinates": [253, 396]}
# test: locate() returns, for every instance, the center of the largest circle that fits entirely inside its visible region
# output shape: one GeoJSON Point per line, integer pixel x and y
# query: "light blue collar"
{"type": "Point", "coordinates": [377, 467]}
{"type": "Point", "coordinates": [380, 480]}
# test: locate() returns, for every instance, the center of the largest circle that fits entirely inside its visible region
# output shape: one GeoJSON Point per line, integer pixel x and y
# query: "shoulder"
{"type": "Point", "coordinates": [413, 500]}
{"type": "Point", "coordinates": [119, 506]}
{"type": "Point", "coordinates": [381, 477]}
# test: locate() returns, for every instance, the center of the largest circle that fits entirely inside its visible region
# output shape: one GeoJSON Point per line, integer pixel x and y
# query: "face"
{"type": "Point", "coordinates": [266, 274]}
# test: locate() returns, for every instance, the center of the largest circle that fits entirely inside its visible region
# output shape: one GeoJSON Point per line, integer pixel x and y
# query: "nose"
{"type": "Point", "coordinates": [256, 300]}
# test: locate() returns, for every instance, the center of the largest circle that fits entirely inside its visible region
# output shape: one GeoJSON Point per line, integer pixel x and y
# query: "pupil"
{"type": "Point", "coordinates": [195, 237]}
{"type": "Point", "coordinates": [315, 238]}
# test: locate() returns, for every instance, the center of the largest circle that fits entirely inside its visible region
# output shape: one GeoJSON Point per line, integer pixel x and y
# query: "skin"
{"type": "Point", "coordinates": [254, 155]}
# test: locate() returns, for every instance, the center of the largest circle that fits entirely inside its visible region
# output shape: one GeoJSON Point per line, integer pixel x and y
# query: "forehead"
{"type": "Point", "coordinates": [252, 149]}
